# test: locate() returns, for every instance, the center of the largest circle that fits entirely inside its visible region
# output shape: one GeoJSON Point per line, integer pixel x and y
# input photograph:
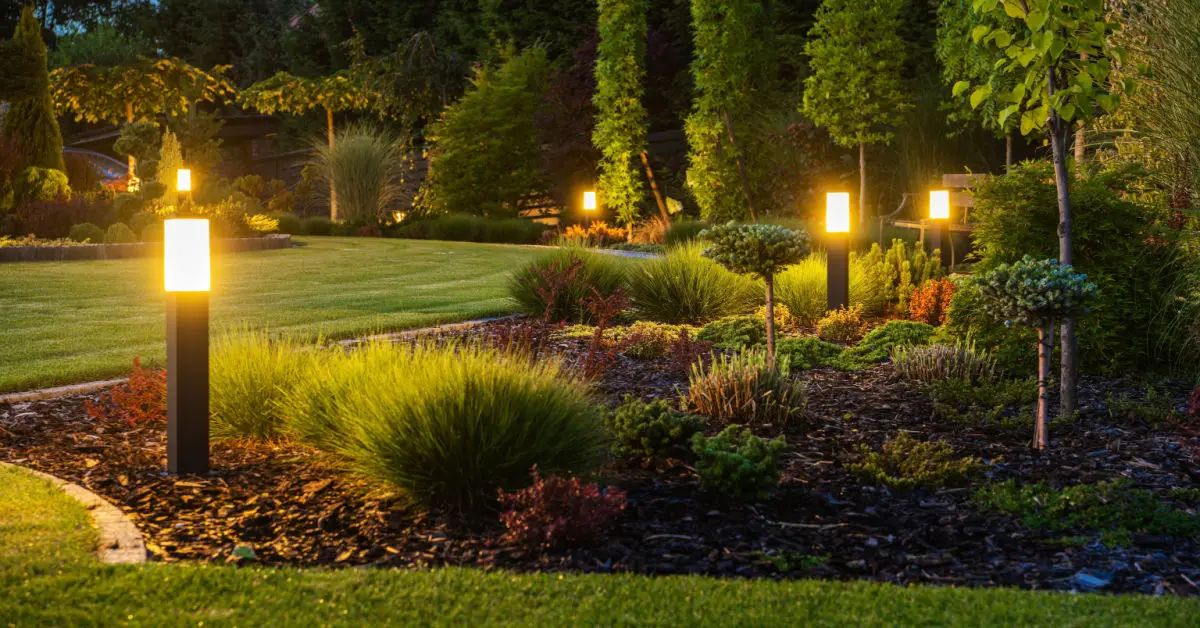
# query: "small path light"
{"type": "Point", "coordinates": [187, 280]}
{"type": "Point", "coordinates": [939, 215]}
{"type": "Point", "coordinates": [837, 228]}
{"type": "Point", "coordinates": [589, 205]}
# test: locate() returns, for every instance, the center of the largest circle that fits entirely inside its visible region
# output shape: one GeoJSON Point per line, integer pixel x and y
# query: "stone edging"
{"type": "Point", "coordinates": [120, 541]}
{"type": "Point", "coordinates": [134, 249]}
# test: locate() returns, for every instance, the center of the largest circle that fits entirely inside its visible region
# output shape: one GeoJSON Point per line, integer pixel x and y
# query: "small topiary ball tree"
{"type": "Point", "coordinates": [1036, 293]}
{"type": "Point", "coordinates": [759, 250]}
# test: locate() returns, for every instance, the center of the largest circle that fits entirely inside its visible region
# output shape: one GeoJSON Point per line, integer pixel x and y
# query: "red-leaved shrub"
{"type": "Point", "coordinates": [556, 512]}
{"type": "Point", "coordinates": [601, 352]}
{"type": "Point", "coordinates": [143, 399]}
{"type": "Point", "coordinates": [931, 301]}
{"type": "Point", "coordinates": [686, 351]}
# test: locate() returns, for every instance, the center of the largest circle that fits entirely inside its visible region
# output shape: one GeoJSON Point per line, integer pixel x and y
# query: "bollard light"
{"type": "Point", "coordinates": [187, 278]}
{"type": "Point", "coordinates": [939, 215]}
{"type": "Point", "coordinates": [837, 227]}
{"type": "Point", "coordinates": [589, 200]}
{"type": "Point", "coordinates": [183, 180]}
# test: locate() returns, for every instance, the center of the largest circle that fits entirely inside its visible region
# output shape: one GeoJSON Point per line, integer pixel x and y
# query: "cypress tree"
{"type": "Point", "coordinates": [31, 119]}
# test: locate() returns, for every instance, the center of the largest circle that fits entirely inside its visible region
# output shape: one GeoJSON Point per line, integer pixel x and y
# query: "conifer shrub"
{"type": "Point", "coordinates": [738, 464]}
{"type": "Point", "coordinates": [650, 429]}
{"type": "Point", "coordinates": [734, 333]}
{"type": "Point", "coordinates": [40, 184]}
{"type": "Point", "coordinates": [905, 464]}
{"type": "Point", "coordinates": [808, 352]}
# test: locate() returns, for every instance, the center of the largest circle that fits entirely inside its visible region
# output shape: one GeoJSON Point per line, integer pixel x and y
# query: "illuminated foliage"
{"type": "Point", "coordinates": [621, 121]}
{"type": "Point", "coordinates": [138, 91]}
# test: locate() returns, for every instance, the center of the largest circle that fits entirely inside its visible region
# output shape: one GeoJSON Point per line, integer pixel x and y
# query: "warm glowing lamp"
{"type": "Point", "coordinates": [183, 180]}
{"type": "Point", "coordinates": [187, 280]}
{"type": "Point", "coordinates": [939, 204]}
{"type": "Point", "coordinates": [837, 226]}
{"type": "Point", "coordinates": [589, 200]}
{"type": "Point", "coordinates": [837, 212]}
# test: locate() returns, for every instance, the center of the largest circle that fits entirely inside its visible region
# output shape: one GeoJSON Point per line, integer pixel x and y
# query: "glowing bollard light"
{"type": "Point", "coordinates": [187, 279]}
{"type": "Point", "coordinates": [837, 228]}
{"type": "Point", "coordinates": [589, 201]}
{"type": "Point", "coordinates": [939, 215]}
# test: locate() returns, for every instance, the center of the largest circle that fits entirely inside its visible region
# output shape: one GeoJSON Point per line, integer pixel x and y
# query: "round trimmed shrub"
{"type": "Point", "coordinates": [41, 184]}
{"type": "Point", "coordinates": [561, 281]}
{"type": "Point", "coordinates": [87, 232]}
{"type": "Point", "coordinates": [449, 425]}
{"type": "Point", "coordinates": [119, 233]}
{"type": "Point", "coordinates": [139, 221]}
{"type": "Point", "coordinates": [318, 226]}
{"type": "Point", "coordinates": [289, 223]}
{"type": "Point", "coordinates": [153, 233]}
{"type": "Point", "coordinates": [458, 228]}
{"type": "Point", "coordinates": [685, 287]}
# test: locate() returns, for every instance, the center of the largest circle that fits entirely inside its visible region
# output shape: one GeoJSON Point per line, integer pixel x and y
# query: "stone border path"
{"type": "Point", "coordinates": [120, 541]}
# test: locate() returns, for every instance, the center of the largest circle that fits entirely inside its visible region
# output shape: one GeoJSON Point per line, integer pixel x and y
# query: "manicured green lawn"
{"type": "Point", "coordinates": [48, 578]}
{"type": "Point", "coordinates": [66, 322]}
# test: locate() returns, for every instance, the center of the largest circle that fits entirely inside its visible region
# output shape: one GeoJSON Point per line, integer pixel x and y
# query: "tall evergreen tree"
{"type": "Point", "coordinates": [621, 121]}
{"type": "Point", "coordinates": [31, 118]}
{"type": "Point", "coordinates": [856, 87]}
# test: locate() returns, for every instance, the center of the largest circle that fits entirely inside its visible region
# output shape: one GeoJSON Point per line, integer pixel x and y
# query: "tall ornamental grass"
{"type": "Point", "coordinates": [248, 376]}
{"type": "Point", "coordinates": [686, 287]}
{"type": "Point", "coordinates": [558, 283]}
{"type": "Point", "coordinates": [803, 287]}
{"type": "Point", "coordinates": [364, 168]}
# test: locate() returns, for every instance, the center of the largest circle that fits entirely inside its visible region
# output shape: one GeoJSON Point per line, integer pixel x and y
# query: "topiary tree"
{"type": "Point", "coordinates": [1035, 293]}
{"type": "Point", "coordinates": [759, 250]}
{"type": "Point", "coordinates": [30, 117]}
{"type": "Point", "coordinates": [856, 90]}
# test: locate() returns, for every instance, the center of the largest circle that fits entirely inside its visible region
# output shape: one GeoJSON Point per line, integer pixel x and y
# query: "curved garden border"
{"type": "Point", "coordinates": [83, 252]}
{"type": "Point", "coordinates": [120, 541]}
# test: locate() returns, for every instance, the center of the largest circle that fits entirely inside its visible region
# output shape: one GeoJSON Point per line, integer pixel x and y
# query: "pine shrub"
{"type": "Point", "coordinates": [906, 464]}
{"type": "Point", "coordinates": [650, 429]}
{"type": "Point", "coordinates": [738, 464]}
{"type": "Point", "coordinates": [808, 352]}
{"type": "Point", "coordinates": [734, 333]}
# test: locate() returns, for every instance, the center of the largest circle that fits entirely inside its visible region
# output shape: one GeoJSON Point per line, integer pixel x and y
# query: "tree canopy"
{"type": "Point", "coordinates": [141, 90]}
{"type": "Point", "coordinates": [621, 122]}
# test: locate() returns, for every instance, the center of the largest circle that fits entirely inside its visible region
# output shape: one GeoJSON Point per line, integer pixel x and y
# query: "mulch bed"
{"type": "Point", "coordinates": [290, 507]}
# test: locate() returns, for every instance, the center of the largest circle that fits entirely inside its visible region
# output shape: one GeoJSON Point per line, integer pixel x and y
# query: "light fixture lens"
{"type": "Point", "coordinates": [185, 255]}
{"type": "Point", "coordinates": [589, 200]}
{"type": "Point", "coordinates": [183, 180]}
{"type": "Point", "coordinates": [939, 204]}
{"type": "Point", "coordinates": [837, 212]}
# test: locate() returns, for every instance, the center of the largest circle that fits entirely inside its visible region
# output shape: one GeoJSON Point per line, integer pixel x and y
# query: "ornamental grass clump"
{"type": "Point", "coordinates": [763, 251]}
{"type": "Point", "coordinates": [555, 286]}
{"type": "Point", "coordinates": [737, 463]}
{"type": "Point", "coordinates": [683, 286]}
{"type": "Point", "coordinates": [743, 388]}
{"type": "Point", "coordinates": [1036, 293]}
{"type": "Point", "coordinates": [364, 167]}
{"type": "Point", "coordinates": [933, 363]}
{"type": "Point", "coordinates": [641, 429]}
{"type": "Point", "coordinates": [451, 425]}
{"type": "Point", "coordinates": [249, 375]}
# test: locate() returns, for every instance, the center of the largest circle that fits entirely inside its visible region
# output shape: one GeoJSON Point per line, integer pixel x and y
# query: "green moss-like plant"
{"type": "Point", "coordinates": [905, 464]}
{"type": "Point", "coordinates": [808, 352]}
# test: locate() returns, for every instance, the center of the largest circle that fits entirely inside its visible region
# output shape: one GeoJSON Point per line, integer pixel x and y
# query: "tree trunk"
{"type": "Point", "coordinates": [333, 213]}
{"type": "Point", "coordinates": [1008, 150]}
{"type": "Point", "coordinates": [1080, 145]}
{"type": "Point", "coordinates": [1040, 430]}
{"type": "Point", "coordinates": [129, 119]}
{"type": "Point", "coordinates": [770, 281]}
{"type": "Point", "coordinates": [862, 185]}
{"type": "Point", "coordinates": [662, 206]}
{"type": "Point", "coordinates": [741, 165]}
{"type": "Point", "coordinates": [1059, 131]}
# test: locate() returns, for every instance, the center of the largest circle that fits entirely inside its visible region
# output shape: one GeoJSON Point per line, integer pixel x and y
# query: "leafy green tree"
{"type": "Point", "coordinates": [30, 117]}
{"type": "Point", "coordinates": [170, 160]}
{"type": "Point", "coordinates": [1034, 293]}
{"type": "Point", "coordinates": [484, 150]}
{"type": "Point", "coordinates": [102, 46]}
{"type": "Point", "coordinates": [1061, 52]}
{"type": "Point", "coordinates": [728, 68]}
{"type": "Point", "coordinates": [856, 90]}
{"type": "Point", "coordinates": [760, 250]}
{"type": "Point", "coordinates": [620, 132]}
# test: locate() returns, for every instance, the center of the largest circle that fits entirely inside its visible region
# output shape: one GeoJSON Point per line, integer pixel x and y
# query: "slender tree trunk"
{"type": "Point", "coordinates": [333, 213]}
{"type": "Point", "coordinates": [1008, 150]}
{"type": "Point", "coordinates": [862, 185]}
{"type": "Point", "coordinates": [662, 206]}
{"type": "Point", "coordinates": [1059, 131]}
{"type": "Point", "coordinates": [737, 154]}
{"type": "Point", "coordinates": [129, 119]}
{"type": "Point", "coordinates": [1041, 433]}
{"type": "Point", "coordinates": [770, 281]}
{"type": "Point", "coordinates": [1080, 145]}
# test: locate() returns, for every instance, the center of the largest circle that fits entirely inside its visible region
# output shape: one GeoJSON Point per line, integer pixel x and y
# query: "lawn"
{"type": "Point", "coordinates": [49, 578]}
{"type": "Point", "coordinates": [66, 322]}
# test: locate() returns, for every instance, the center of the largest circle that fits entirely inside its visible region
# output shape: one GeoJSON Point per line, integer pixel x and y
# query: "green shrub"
{"type": "Point", "coordinates": [127, 204]}
{"type": "Point", "coordinates": [645, 339]}
{"type": "Point", "coordinates": [1115, 509]}
{"type": "Point", "coordinates": [734, 333]}
{"type": "Point", "coordinates": [87, 232]}
{"type": "Point", "coordinates": [683, 232]}
{"type": "Point", "coordinates": [512, 231]}
{"type": "Point", "coordinates": [249, 377]}
{"type": "Point", "coordinates": [737, 463]}
{"type": "Point", "coordinates": [152, 233]}
{"type": "Point", "coordinates": [458, 228]}
{"type": "Point", "coordinates": [40, 184]}
{"type": "Point", "coordinates": [260, 224]}
{"type": "Point", "coordinates": [650, 429]}
{"type": "Point", "coordinates": [996, 404]}
{"type": "Point", "coordinates": [931, 363]}
{"type": "Point", "coordinates": [1009, 345]}
{"type": "Point", "coordinates": [906, 464]}
{"type": "Point", "coordinates": [877, 345]}
{"type": "Point", "coordinates": [1154, 408]}
{"type": "Point", "coordinates": [139, 221]}
{"type": "Point", "coordinates": [844, 325]}
{"type": "Point", "coordinates": [557, 283]}
{"type": "Point", "coordinates": [318, 226]}
{"type": "Point", "coordinates": [742, 388]}
{"type": "Point", "coordinates": [685, 287]}
{"type": "Point", "coordinates": [451, 425]}
{"type": "Point", "coordinates": [364, 166]}
{"type": "Point", "coordinates": [808, 352]}
{"type": "Point", "coordinates": [119, 233]}
{"type": "Point", "coordinates": [289, 223]}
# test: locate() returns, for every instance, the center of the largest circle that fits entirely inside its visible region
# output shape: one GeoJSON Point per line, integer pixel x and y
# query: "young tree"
{"type": "Point", "coordinates": [1035, 293]}
{"type": "Point", "coordinates": [343, 91]}
{"type": "Point", "coordinates": [30, 117]}
{"type": "Point", "coordinates": [1061, 53]}
{"type": "Point", "coordinates": [621, 122]}
{"type": "Point", "coordinates": [728, 71]}
{"type": "Point", "coordinates": [855, 90]}
{"type": "Point", "coordinates": [760, 250]}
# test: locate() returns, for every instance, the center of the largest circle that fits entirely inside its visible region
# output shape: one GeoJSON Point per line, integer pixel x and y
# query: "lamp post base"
{"type": "Point", "coordinates": [187, 382]}
{"type": "Point", "coordinates": [838, 271]}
